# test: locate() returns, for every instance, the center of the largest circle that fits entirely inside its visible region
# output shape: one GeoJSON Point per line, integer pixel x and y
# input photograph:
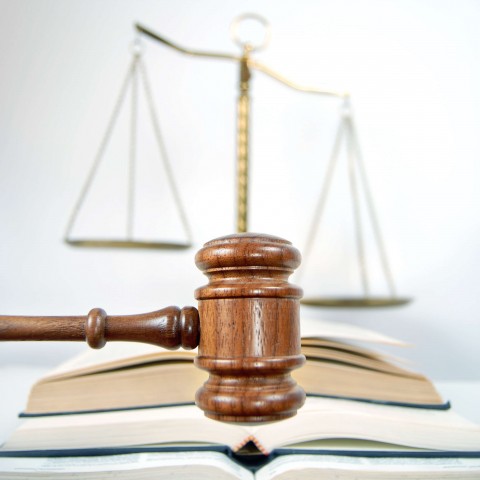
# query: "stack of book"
{"type": "Point", "coordinates": [127, 411]}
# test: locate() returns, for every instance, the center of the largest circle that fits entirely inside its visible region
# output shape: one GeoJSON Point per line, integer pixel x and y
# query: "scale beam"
{"type": "Point", "coordinates": [195, 53]}
{"type": "Point", "coordinates": [246, 65]}
{"type": "Point", "coordinates": [295, 86]}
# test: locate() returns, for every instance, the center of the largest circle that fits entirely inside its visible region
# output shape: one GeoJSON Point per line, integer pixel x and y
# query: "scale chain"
{"type": "Point", "coordinates": [323, 197]}
{"type": "Point", "coordinates": [357, 216]}
{"type": "Point", "coordinates": [163, 150]}
{"type": "Point", "coordinates": [373, 215]}
{"type": "Point", "coordinates": [133, 147]}
{"type": "Point", "coordinates": [101, 150]}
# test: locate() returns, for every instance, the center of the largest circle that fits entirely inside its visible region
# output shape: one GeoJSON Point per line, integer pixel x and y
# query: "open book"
{"type": "Point", "coordinates": [345, 438]}
{"type": "Point", "coordinates": [126, 375]}
{"type": "Point", "coordinates": [318, 419]}
{"type": "Point", "coordinates": [212, 465]}
{"type": "Point", "coordinates": [181, 443]}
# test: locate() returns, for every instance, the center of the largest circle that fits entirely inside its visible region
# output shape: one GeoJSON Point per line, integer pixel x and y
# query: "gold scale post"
{"type": "Point", "coordinates": [246, 65]}
{"type": "Point", "coordinates": [243, 116]}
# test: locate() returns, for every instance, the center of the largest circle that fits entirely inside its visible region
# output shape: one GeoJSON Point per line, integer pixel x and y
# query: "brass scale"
{"type": "Point", "coordinates": [346, 132]}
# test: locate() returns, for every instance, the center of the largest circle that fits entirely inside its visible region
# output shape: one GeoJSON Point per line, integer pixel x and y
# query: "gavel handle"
{"type": "Point", "coordinates": [169, 328]}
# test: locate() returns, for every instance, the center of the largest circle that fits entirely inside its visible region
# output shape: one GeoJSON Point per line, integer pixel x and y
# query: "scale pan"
{"type": "Point", "coordinates": [355, 302]}
{"type": "Point", "coordinates": [129, 244]}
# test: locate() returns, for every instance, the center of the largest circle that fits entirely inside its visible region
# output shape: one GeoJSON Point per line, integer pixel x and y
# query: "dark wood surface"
{"type": "Point", "coordinates": [249, 322]}
{"type": "Point", "coordinates": [169, 328]}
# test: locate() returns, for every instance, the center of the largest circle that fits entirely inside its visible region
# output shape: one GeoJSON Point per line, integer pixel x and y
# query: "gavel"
{"type": "Point", "coordinates": [247, 328]}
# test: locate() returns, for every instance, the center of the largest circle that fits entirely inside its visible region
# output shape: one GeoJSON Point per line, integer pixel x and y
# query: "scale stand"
{"type": "Point", "coordinates": [346, 129]}
{"type": "Point", "coordinates": [135, 77]}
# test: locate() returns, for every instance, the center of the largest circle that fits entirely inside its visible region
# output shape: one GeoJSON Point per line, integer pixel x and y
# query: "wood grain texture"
{"type": "Point", "coordinates": [169, 328]}
{"type": "Point", "coordinates": [250, 338]}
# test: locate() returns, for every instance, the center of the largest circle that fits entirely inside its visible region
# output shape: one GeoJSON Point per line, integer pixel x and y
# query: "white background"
{"type": "Point", "coordinates": [413, 68]}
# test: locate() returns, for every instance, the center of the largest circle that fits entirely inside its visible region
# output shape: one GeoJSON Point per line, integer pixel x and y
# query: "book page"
{"type": "Point", "coordinates": [320, 418]}
{"type": "Point", "coordinates": [178, 465]}
{"type": "Point", "coordinates": [115, 355]}
{"type": "Point", "coordinates": [358, 360]}
{"type": "Point", "coordinates": [319, 467]}
{"type": "Point", "coordinates": [323, 418]}
{"type": "Point", "coordinates": [341, 380]}
{"type": "Point", "coordinates": [346, 444]}
{"type": "Point", "coordinates": [164, 425]}
{"type": "Point", "coordinates": [310, 327]}
{"type": "Point", "coordinates": [349, 347]}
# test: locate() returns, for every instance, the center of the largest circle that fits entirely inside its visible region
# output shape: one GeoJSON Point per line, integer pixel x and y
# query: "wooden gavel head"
{"type": "Point", "coordinates": [247, 328]}
{"type": "Point", "coordinates": [250, 329]}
